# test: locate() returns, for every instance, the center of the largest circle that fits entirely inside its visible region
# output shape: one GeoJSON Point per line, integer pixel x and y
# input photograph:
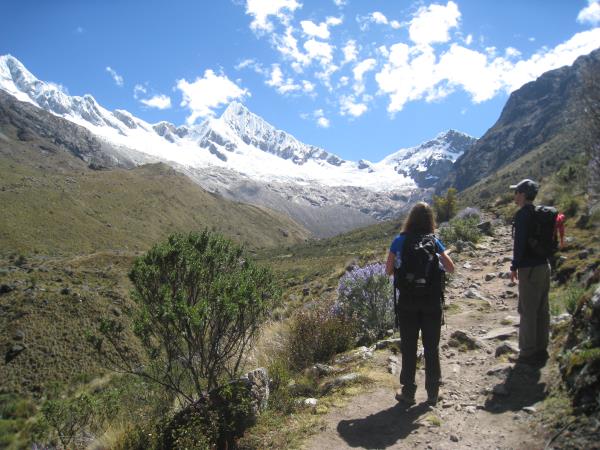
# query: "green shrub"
{"type": "Point", "coordinates": [566, 300]}
{"type": "Point", "coordinates": [69, 418]}
{"type": "Point", "coordinates": [366, 295]}
{"type": "Point", "coordinates": [464, 229]}
{"type": "Point", "coordinates": [201, 302]}
{"type": "Point", "coordinates": [445, 206]}
{"type": "Point", "coordinates": [317, 333]}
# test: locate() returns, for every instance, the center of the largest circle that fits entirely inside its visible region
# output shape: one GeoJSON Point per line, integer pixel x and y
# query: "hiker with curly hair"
{"type": "Point", "coordinates": [418, 259]}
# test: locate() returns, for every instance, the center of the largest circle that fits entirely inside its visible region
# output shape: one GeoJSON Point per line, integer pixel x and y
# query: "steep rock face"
{"type": "Point", "coordinates": [31, 122]}
{"type": "Point", "coordinates": [533, 115]}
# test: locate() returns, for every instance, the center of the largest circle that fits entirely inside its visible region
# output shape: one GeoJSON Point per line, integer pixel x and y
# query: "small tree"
{"type": "Point", "coordinates": [445, 207]}
{"type": "Point", "coordinates": [200, 304]}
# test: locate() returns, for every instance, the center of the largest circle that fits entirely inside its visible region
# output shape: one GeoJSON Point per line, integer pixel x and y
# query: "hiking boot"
{"type": "Point", "coordinates": [405, 399]}
{"type": "Point", "coordinates": [433, 397]}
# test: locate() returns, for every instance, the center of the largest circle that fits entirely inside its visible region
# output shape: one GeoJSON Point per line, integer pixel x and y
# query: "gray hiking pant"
{"type": "Point", "coordinates": [534, 286]}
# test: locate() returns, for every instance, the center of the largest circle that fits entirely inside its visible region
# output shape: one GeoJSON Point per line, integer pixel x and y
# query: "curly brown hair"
{"type": "Point", "coordinates": [420, 220]}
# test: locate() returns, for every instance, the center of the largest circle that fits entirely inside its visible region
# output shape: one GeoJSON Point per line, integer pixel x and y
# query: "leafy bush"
{"type": "Point", "coordinates": [69, 418]}
{"type": "Point", "coordinates": [366, 294]}
{"type": "Point", "coordinates": [460, 230]}
{"type": "Point", "coordinates": [200, 302]}
{"type": "Point", "coordinates": [317, 333]}
{"type": "Point", "coordinates": [445, 206]}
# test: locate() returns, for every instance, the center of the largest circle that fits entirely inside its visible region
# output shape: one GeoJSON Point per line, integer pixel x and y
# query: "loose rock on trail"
{"type": "Point", "coordinates": [486, 402]}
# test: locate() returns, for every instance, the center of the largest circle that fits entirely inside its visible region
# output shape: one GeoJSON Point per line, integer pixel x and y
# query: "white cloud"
{"type": "Point", "coordinates": [158, 101]}
{"type": "Point", "coordinates": [312, 29]}
{"type": "Point", "coordinates": [590, 14]}
{"type": "Point", "coordinates": [512, 52]}
{"type": "Point", "coordinates": [118, 79]}
{"type": "Point", "coordinates": [276, 76]}
{"type": "Point", "coordinates": [432, 24]}
{"type": "Point", "coordinates": [395, 24]}
{"type": "Point", "coordinates": [334, 21]}
{"type": "Point", "coordinates": [321, 51]}
{"type": "Point", "coordinates": [282, 84]}
{"type": "Point", "coordinates": [322, 30]}
{"type": "Point", "coordinates": [348, 106]}
{"type": "Point", "coordinates": [344, 81]}
{"type": "Point", "coordinates": [307, 86]}
{"type": "Point", "coordinates": [350, 51]}
{"type": "Point", "coordinates": [469, 39]}
{"type": "Point", "coordinates": [323, 122]}
{"type": "Point", "coordinates": [287, 46]}
{"type": "Point", "coordinates": [261, 10]}
{"type": "Point", "coordinates": [543, 61]}
{"type": "Point", "coordinates": [139, 90]}
{"type": "Point", "coordinates": [205, 94]}
{"type": "Point", "coordinates": [340, 2]}
{"type": "Point", "coordinates": [415, 73]}
{"type": "Point", "coordinates": [359, 71]}
{"type": "Point", "coordinates": [378, 17]}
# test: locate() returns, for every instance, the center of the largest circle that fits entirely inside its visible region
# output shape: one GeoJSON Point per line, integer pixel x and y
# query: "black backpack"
{"type": "Point", "coordinates": [419, 277]}
{"type": "Point", "coordinates": [541, 241]}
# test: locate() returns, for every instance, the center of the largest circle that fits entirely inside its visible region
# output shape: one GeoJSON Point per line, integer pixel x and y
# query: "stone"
{"type": "Point", "coordinates": [343, 380]}
{"type": "Point", "coordinates": [310, 402]}
{"type": "Point", "coordinates": [474, 294]}
{"type": "Point", "coordinates": [530, 409]}
{"type": "Point", "coordinates": [490, 276]}
{"type": "Point", "coordinates": [454, 438]}
{"type": "Point", "coordinates": [460, 338]}
{"type": "Point", "coordinates": [320, 370]}
{"type": "Point", "coordinates": [6, 288]}
{"type": "Point", "coordinates": [19, 335]}
{"type": "Point", "coordinates": [501, 333]}
{"type": "Point", "coordinates": [13, 352]}
{"type": "Point", "coordinates": [257, 382]}
{"type": "Point", "coordinates": [388, 343]}
{"type": "Point", "coordinates": [511, 320]}
{"type": "Point", "coordinates": [506, 348]}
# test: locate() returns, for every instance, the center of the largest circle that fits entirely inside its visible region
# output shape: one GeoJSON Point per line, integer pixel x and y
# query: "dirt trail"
{"type": "Point", "coordinates": [484, 396]}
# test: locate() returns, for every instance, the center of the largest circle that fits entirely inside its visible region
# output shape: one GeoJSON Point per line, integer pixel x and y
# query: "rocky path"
{"type": "Point", "coordinates": [488, 403]}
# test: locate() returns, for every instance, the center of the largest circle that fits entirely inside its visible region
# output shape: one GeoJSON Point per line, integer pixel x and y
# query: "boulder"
{"type": "Point", "coordinates": [500, 333]}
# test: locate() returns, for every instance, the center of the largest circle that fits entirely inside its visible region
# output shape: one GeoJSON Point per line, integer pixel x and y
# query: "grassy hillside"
{"type": "Point", "coordinates": [53, 203]}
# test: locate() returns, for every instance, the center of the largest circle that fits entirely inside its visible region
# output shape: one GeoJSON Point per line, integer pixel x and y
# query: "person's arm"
{"type": "Point", "coordinates": [389, 265]}
{"type": "Point", "coordinates": [447, 262]}
{"type": "Point", "coordinates": [520, 243]}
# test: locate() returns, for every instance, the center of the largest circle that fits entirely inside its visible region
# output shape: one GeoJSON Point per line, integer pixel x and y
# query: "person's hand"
{"type": "Point", "coordinates": [514, 275]}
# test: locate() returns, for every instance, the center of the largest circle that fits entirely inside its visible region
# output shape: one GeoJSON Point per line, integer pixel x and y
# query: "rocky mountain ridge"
{"type": "Point", "coordinates": [536, 114]}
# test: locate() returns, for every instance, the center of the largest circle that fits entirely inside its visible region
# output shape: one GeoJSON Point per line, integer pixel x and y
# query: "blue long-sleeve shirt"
{"type": "Point", "coordinates": [522, 257]}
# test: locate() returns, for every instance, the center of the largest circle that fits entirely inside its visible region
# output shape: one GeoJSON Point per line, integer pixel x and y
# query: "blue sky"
{"type": "Point", "coordinates": [358, 78]}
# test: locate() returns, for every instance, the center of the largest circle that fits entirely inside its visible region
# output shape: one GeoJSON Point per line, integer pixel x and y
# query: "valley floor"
{"type": "Point", "coordinates": [488, 403]}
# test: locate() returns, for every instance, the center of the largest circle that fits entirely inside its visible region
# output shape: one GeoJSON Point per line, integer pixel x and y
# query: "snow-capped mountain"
{"type": "Point", "coordinates": [241, 156]}
{"type": "Point", "coordinates": [431, 161]}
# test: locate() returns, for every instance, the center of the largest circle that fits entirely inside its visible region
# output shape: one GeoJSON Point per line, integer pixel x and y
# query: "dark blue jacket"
{"type": "Point", "coordinates": [522, 225]}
